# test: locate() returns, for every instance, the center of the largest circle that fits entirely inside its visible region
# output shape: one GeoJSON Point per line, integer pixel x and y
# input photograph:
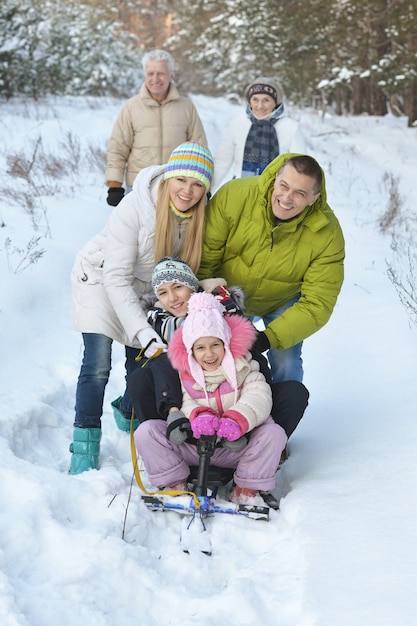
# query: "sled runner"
{"type": "Point", "coordinates": [197, 505]}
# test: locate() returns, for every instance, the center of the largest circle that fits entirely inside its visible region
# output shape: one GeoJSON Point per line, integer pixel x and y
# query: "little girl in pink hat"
{"type": "Point", "coordinates": [224, 394]}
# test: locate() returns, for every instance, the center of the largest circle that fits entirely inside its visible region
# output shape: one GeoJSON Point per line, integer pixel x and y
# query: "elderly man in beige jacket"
{"type": "Point", "coordinates": [149, 126]}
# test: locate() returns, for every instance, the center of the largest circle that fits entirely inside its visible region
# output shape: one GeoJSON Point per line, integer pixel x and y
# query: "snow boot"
{"type": "Point", "coordinates": [122, 422]}
{"type": "Point", "coordinates": [85, 450]}
{"type": "Point", "coordinates": [270, 499]}
{"type": "Point", "coordinates": [243, 495]}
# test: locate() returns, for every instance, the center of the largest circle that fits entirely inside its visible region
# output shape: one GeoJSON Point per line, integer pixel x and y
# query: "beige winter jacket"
{"type": "Point", "coordinates": [146, 132]}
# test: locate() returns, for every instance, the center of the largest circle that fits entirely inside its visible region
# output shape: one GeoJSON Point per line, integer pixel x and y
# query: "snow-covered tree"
{"type": "Point", "coordinates": [65, 48]}
{"type": "Point", "coordinates": [359, 56]}
{"type": "Point", "coordinates": [355, 56]}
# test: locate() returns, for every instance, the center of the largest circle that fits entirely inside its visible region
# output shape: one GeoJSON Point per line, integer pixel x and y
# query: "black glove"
{"type": "Point", "coordinates": [114, 195]}
{"type": "Point", "coordinates": [261, 342]}
{"type": "Point", "coordinates": [178, 427]}
{"type": "Point", "coordinates": [223, 295]}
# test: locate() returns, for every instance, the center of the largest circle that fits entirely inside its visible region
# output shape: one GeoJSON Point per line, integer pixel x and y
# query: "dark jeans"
{"type": "Point", "coordinates": [285, 364]}
{"type": "Point", "coordinates": [93, 378]}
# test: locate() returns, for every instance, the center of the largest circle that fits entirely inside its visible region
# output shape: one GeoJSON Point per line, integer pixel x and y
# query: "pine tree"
{"type": "Point", "coordinates": [65, 48]}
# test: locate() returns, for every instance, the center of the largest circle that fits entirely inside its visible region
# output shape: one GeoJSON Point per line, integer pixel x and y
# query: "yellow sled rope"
{"type": "Point", "coordinates": [166, 492]}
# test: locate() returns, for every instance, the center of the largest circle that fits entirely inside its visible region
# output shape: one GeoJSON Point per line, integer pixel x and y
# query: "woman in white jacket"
{"type": "Point", "coordinates": [255, 138]}
{"type": "Point", "coordinates": [163, 215]}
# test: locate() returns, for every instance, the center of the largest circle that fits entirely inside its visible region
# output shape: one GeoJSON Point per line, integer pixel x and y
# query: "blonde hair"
{"type": "Point", "coordinates": [165, 225]}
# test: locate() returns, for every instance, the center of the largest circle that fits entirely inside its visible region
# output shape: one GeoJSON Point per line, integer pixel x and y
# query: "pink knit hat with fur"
{"type": "Point", "coordinates": [206, 319]}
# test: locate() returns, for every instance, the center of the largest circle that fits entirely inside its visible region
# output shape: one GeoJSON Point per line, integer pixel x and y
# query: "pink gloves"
{"type": "Point", "coordinates": [228, 429]}
{"type": "Point", "coordinates": [204, 424]}
{"type": "Point", "coordinates": [204, 421]}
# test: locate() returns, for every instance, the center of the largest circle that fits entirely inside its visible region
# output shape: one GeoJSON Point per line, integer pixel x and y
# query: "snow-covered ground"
{"type": "Point", "coordinates": [343, 548]}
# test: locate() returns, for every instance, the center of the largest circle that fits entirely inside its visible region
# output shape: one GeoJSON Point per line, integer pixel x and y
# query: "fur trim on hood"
{"type": "Point", "coordinates": [148, 301]}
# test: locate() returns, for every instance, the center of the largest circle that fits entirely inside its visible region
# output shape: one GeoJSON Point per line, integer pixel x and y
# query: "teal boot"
{"type": "Point", "coordinates": [122, 422]}
{"type": "Point", "coordinates": [85, 450]}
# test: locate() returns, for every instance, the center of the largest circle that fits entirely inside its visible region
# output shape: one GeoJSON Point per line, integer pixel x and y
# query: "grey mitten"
{"type": "Point", "coordinates": [178, 427]}
{"type": "Point", "coordinates": [235, 446]}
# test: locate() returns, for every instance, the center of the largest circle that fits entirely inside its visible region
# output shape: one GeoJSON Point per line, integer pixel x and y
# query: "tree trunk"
{"type": "Point", "coordinates": [410, 102]}
{"type": "Point", "coordinates": [379, 101]}
{"type": "Point", "coordinates": [357, 95]}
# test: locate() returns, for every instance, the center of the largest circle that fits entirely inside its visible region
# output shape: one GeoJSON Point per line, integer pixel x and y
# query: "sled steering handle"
{"type": "Point", "coordinates": [205, 449]}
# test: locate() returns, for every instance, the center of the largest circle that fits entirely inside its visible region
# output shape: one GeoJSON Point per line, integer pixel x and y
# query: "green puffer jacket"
{"type": "Point", "coordinates": [274, 263]}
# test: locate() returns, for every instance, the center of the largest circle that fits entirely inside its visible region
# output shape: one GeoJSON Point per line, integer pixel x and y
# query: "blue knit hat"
{"type": "Point", "coordinates": [191, 159]}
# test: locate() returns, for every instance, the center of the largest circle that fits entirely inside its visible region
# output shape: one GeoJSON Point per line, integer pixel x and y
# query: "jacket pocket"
{"type": "Point", "coordinates": [89, 271]}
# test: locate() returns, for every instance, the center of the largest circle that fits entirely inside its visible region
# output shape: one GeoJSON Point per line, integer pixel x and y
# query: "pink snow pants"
{"type": "Point", "coordinates": [167, 464]}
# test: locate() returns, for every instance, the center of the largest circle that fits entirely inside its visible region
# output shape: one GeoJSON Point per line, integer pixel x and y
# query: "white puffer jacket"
{"type": "Point", "coordinates": [229, 154]}
{"type": "Point", "coordinates": [114, 268]}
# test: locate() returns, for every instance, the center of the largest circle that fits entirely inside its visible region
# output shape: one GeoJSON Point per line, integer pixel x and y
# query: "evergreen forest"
{"type": "Point", "coordinates": [353, 57]}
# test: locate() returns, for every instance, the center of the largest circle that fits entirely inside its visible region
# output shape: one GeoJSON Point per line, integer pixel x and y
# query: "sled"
{"type": "Point", "coordinates": [199, 502]}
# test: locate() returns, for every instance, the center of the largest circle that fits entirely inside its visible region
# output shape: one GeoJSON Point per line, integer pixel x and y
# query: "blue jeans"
{"type": "Point", "coordinates": [93, 378]}
{"type": "Point", "coordinates": [285, 364]}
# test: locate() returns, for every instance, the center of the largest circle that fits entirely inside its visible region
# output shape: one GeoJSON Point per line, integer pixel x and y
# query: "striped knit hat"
{"type": "Point", "coordinates": [191, 159]}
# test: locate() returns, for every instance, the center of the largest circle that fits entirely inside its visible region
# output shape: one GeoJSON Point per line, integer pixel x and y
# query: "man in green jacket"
{"type": "Point", "coordinates": [276, 237]}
